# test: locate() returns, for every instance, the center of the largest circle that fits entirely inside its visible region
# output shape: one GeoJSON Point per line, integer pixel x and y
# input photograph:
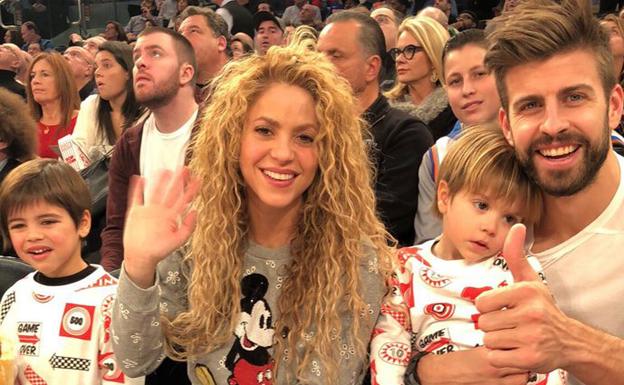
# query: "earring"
{"type": "Point", "coordinates": [433, 77]}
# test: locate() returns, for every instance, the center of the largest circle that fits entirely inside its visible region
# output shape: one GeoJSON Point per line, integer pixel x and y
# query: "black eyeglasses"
{"type": "Point", "coordinates": [408, 51]}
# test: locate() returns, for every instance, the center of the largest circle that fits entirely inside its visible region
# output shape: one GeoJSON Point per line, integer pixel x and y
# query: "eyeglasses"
{"type": "Point", "coordinates": [408, 51]}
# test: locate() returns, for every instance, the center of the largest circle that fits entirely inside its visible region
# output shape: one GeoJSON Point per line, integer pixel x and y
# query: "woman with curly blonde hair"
{"type": "Point", "coordinates": [283, 274]}
{"type": "Point", "coordinates": [418, 61]}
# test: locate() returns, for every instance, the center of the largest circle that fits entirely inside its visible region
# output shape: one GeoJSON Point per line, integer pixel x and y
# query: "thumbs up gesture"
{"type": "Point", "coordinates": [523, 326]}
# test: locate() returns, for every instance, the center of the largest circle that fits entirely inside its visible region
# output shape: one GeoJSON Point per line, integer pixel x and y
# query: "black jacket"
{"type": "Point", "coordinates": [242, 19]}
{"type": "Point", "coordinates": [7, 80]}
{"type": "Point", "coordinates": [400, 142]}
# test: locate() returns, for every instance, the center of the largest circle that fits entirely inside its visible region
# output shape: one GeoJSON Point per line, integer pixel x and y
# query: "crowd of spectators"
{"type": "Point", "coordinates": [194, 84]}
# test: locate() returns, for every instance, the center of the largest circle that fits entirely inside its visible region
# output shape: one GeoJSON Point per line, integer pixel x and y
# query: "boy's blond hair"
{"type": "Point", "coordinates": [482, 161]}
{"type": "Point", "coordinates": [42, 180]}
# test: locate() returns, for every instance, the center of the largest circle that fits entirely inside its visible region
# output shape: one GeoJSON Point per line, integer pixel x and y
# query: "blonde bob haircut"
{"type": "Point", "coordinates": [337, 219]}
{"type": "Point", "coordinates": [481, 161]}
{"type": "Point", "coordinates": [432, 36]}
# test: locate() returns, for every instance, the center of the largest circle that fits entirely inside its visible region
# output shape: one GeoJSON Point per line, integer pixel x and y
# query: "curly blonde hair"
{"type": "Point", "coordinates": [336, 223]}
{"type": "Point", "coordinates": [432, 37]}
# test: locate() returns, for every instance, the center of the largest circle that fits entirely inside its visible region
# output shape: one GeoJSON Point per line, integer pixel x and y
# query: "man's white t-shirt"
{"type": "Point", "coordinates": [584, 272]}
{"type": "Point", "coordinates": [163, 151]}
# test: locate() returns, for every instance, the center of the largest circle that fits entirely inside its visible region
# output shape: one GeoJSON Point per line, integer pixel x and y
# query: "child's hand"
{"type": "Point", "coordinates": [160, 225]}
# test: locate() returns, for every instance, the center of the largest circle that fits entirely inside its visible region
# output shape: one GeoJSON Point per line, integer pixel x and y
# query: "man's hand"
{"type": "Point", "coordinates": [523, 326]}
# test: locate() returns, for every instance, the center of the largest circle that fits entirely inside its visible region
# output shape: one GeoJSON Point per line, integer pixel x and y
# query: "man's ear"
{"type": "Point", "coordinates": [444, 197]}
{"type": "Point", "coordinates": [503, 121]}
{"type": "Point", "coordinates": [186, 73]}
{"type": "Point", "coordinates": [373, 68]}
{"type": "Point", "coordinates": [84, 226]}
{"type": "Point", "coordinates": [221, 43]}
{"type": "Point", "coordinates": [615, 106]}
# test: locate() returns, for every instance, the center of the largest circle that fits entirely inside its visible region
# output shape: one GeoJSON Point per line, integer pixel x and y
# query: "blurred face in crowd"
{"type": "Point", "coordinates": [206, 46]}
{"type": "Point", "coordinates": [80, 61]}
{"type": "Point", "coordinates": [43, 82]}
{"type": "Point", "coordinates": [34, 49]}
{"type": "Point", "coordinates": [7, 37]}
{"type": "Point", "coordinates": [307, 13]}
{"type": "Point", "coordinates": [616, 43]}
{"type": "Point", "coordinates": [414, 69]}
{"type": "Point", "coordinates": [387, 20]}
{"type": "Point", "coordinates": [443, 5]}
{"type": "Point", "coordinates": [237, 49]}
{"type": "Point", "coordinates": [466, 21]}
{"type": "Point", "coordinates": [267, 35]}
{"type": "Point", "coordinates": [470, 87]}
{"type": "Point", "coordinates": [110, 77]}
{"type": "Point", "coordinates": [27, 34]}
{"type": "Point", "coordinates": [264, 7]}
{"type": "Point", "coordinates": [182, 4]}
{"type": "Point", "coordinates": [8, 58]}
{"type": "Point", "coordinates": [156, 70]}
{"type": "Point", "coordinates": [110, 32]}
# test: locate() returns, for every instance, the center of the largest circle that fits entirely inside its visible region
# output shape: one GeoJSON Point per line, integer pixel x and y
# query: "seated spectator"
{"type": "Point", "coordinates": [34, 49]}
{"type": "Point", "coordinates": [615, 29]}
{"type": "Point", "coordinates": [436, 14]}
{"type": "Point", "coordinates": [137, 23]}
{"type": "Point", "coordinates": [92, 44]}
{"type": "Point", "coordinates": [307, 16]}
{"type": "Point", "coordinates": [18, 133]}
{"type": "Point", "coordinates": [208, 34]}
{"type": "Point", "coordinates": [66, 305]}
{"type": "Point", "coordinates": [82, 65]}
{"type": "Point", "coordinates": [240, 48]}
{"type": "Point", "coordinates": [30, 35]}
{"type": "Point", "coordinates": [237, 17]}
{"type": "Point", "coordinates": [114, 32]}
{"type": "Point", "coordinates": [53, 100]}
{"type": "Point", "coordinates": [418, 61]}
{"type": "Point", "coordinates": [292, 14]}
{"type": "Point", "coordinates": [389, 21]}
{"type": "Point", "coordinates": [264, 7]}
{"type": "Point", "coordinates": [13, 36]}
{"type": "Point", "coordinates": [466, 20]}
{"type": "Point", "coordinates": [9, 64]}
{"type": "Point", "coordinates": [269, 32]}
{"type": "Point", "coordinates": [474, 99]}
{"type": "Point", "coordinates": [104, 117]}
{"type": "Point", "coordinates": [483, 195]}
{"type": "Point", "coordinates": [165, 84]}
{"type": "Point", "coordinates": [273, 202]}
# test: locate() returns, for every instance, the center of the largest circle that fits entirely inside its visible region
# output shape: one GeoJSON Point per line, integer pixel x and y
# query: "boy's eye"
{"type": "Point", "coordinates": [481, 205]}
{"type": "Point", "coordinates": [48, 222]}
{"type": "Point", "coordinates": [16, 226]}
{"type": "Point", "coordinates": [512, 219]}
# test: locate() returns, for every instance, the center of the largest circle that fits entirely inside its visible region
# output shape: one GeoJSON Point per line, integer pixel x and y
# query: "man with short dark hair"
{"type": "Point", "coordinates": [208, 34]}
{"type": "Point", "coordinates": [269, 32]}
{"type": "Point", "coordinates": [560, 100]}
{"type": "Point", "coordinates": [164, 82]}
{"type": "Point", "coordinates": [355, 44]}
{"type": "Point", "coordinates": [30, 35]}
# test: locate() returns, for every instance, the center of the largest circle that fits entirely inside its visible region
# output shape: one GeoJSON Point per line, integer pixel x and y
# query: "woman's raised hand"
{"type": "Point", "coordinates": [158, 222]}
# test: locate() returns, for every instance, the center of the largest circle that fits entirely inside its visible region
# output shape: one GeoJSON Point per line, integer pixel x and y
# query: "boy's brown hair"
{"type": "Point", "coordinates": [482, 161]}
{"type": "Point", "coordinates": [47, 180]}
{"type": "Point", "coordinates": [539, 29]}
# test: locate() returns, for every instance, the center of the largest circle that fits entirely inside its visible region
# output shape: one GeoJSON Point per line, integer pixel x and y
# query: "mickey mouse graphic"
{"type": "Point", "coordinates": [249, 359]}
